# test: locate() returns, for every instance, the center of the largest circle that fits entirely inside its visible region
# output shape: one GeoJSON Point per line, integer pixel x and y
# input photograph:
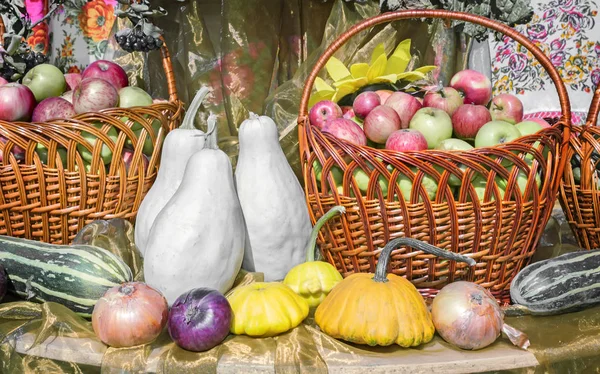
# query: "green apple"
{"type": "Point", "coordinates": [528, 127]}
{"type": "Point", "coordinates": [148, 145]}
{"type": "Point", "coordinates": [105, 152]}
{"type": "Point", "coordinates": [502, 183]}
{"type": "Point", "coordinates": [435, 124]}
{"type": "Point", "coordinates": [577, 174]}
{"type": "Point", "coordinates": [496, 132]}
{"type": "Point", "coordinates": [454, 144]}
{"type": "Point", "coordinates": [131, 97]}
{"type": "Point", "coordinates": [45, 81]}
{"type": "Point", "coordinates": [406, 186]}
{"type": "Point", "coordinates": [362, 180]}
{"type": "Point", "coordinates": [42, 152]}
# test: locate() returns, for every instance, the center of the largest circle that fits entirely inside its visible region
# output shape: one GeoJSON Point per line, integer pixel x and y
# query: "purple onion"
{"type": "Point", "coordinates": [200, 319]}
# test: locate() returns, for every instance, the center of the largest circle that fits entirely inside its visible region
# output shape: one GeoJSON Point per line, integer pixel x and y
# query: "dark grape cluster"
{"type": "Point", "coordinates": [135, 40]}
{"type": "Point", "coordinates": [8, 72]}
{"type": "Point", "coordinates": [33, 59]}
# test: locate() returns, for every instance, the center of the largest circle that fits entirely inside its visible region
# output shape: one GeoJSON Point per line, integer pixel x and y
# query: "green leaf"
{"type": "Point", "coordinates": [377, 68]}
{"type": "Point", "coordinates": [410, 75]}
{"type": "Point", "coordinates": [343, 91]}
{"type": "Point", "coordinates": [140, 7]}
{"type": "Point", "coordinates": [378, 51]}
{"type": "Point", "coordinates": [399, 60]}
{"type": "Point", "coordinates": [390, 78]}
{"type": "Point", "coordinates": [321, 85]}
{"type": "Point", "coordinates": [318, 96]}
{"type": "Point", "coordinates": [337, 70]}
{"type": "Point", "coordinates": [359, 70]}
{"type": "Point", "coordinates": [354, 82]}
{"type": "Point", "coordinates": [426, 69]}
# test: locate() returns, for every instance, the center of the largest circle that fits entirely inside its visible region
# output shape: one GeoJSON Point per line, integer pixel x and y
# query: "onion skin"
{"type": "Point", "coordinates": [130, 314]}
{"type": "Point", "coordinates": [200, 319]}
{"type": "Point", "coordinates": [467, 315]}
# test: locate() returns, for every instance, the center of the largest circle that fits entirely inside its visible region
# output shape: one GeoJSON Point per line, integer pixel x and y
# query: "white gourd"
{"type": "Point", "coordinates": [179, 145]}
{"type": "Point", "coordinates": [197, 239]}
{"type": "Point", "coordinates": [272, 200]}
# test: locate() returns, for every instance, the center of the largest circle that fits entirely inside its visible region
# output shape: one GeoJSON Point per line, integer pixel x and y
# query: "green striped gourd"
{"type": "Point", "coordinates": [558, 285]}
{"type": "Point", "coordinates": [75, 276]}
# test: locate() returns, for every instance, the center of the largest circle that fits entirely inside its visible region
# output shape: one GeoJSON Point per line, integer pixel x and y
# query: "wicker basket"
{"type": "Point", "coordinates": [500, 231]}
{"type": "Point", "coordinates": [580, 200]}
{"type": "Point", "coordinates": [51, 201]}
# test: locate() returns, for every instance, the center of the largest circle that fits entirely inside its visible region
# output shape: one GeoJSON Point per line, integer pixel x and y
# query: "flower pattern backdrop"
{"type": "Point", "coordinates": [76, 34]}
{"type": "Point", "coordinates": [568, 31]}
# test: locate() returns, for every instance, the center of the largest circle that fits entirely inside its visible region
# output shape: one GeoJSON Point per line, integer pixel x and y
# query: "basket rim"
{"type": "Point", "coordinates": [306, 130]}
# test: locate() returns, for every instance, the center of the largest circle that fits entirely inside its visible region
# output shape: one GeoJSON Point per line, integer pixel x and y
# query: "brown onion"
{"type": "Point", "coordinates": [130, 314]}
{"type": "Point", "coordinates": [468, 316]}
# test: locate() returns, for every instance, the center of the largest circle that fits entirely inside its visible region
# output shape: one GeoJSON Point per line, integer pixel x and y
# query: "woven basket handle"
{"type": "Point", "coordinates": [592, 117]}
{"type": "Point", "coordinates": [166, 61]}
{"type": "Point", "coordinates": [444, 14]}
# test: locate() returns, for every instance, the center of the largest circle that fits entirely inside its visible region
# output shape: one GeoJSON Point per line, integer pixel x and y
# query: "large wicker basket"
{"type": "Point", "coordinates": [499, 231]}
{"type": "Point", "coordinates": [51, 201]}
{"type": "Point", "coordinates": [580, 199]}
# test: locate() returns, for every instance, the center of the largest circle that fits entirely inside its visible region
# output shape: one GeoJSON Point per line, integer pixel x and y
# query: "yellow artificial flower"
{"type": "Point", "coordinates": [381, 69]}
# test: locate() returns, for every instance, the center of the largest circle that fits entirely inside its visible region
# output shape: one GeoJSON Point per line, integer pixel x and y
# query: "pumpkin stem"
{"type": "Point", "coordinates": [253, 116]}
{"type": "Point", "coordinates": [188, 120]}
{"type": "Point", "coordinates": [312, 242]}
{"type": "Point", "coordinates": [384, 257]}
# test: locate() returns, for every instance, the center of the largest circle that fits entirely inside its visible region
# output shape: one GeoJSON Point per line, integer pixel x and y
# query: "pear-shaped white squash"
{"type": "Point", "coordinates": [179, 145]}
{"type": "Point", "coordinates": [197, 239]}
{"type": "Point", "coordinates": [272, 200]}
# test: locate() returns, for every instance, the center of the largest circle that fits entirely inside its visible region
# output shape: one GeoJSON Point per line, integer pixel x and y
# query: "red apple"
{"type": "Point", "coordinates": [468, 119]}
{"type": "Point", "coordinates": [380, 123]}
{"type": "Point", "coordinates": [447, 99]}
{"type": "Point", "coordinates": [346, 108]}
{"type": "Point", "coordinates": [127, 157]}
{"type": "Point", "coordinates": [52, 108]}
{"type": "Point", "coordinates": [507, 107]}
{"type": "Point", "coordinates": [406, 140]}
{"type": "Point", "coordinates": [3, 81]}
{"type": "Point", "coordinates": [16, 102]}
{"type": "Point", "coordinates": [73, 80]}
{"type": "Point", "coordinates": [476, 87]}
{"type": "Point", "coordinates": [365, 103]}
{"type": "Point", "coordinates": [108, 71]}
{"type": "Point", "coordinates": [349, 113]}
{"type": "Point", "coordinates": [405, 105]}
{"type": "Point", "coordinates": [323, 111]}
{"type": "Point", "coordinates": [541, 121]}
{"type": "Point", "coordinates": [94, 94]}
{"type": "Point", "coordinates": [17, 151]}
{"type": "Point", "coordinates": [68, 96]}
{"type": "Point", "coordinates": [345, 129]}
{"type": "Point", "coordinates": [384, 94]}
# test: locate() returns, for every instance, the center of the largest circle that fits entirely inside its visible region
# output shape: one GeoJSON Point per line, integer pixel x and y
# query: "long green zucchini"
{"type": "Point", "coordinates": [75, 276]}
{"type": "Point", "coordinates": [558, 285]}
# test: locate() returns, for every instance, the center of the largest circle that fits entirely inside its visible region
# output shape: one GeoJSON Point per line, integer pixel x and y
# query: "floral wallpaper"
{"type": "Point", "coordinates": [77, 32]}
{"type": "Point", "coordinates": [565, 30]}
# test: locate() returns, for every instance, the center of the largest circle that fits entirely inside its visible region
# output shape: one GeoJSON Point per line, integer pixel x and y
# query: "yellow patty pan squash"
{"type": "Point", "coordinates": [313, 280]}
{"type": "Point", "coordinates": [381, 309]}
{"type": "Point", "coordinates": [264, 309]}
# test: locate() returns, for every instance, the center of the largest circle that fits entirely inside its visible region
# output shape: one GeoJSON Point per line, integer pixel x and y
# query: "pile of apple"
{"type": "Point", "coordinates": [46, 94]}
{"type": "Point", "coordinates": [462, 116]}
{"type": "Point", "coordinates": [458, 117]}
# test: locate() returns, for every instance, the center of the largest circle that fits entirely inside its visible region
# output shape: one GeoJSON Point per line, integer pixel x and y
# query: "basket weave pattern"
{"type": "Point", "coordinates": [490, 203]}
{"type": "Point", "coordinates": [51, 200]}
{"type": "Point", "coordinates": [581, 200]}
